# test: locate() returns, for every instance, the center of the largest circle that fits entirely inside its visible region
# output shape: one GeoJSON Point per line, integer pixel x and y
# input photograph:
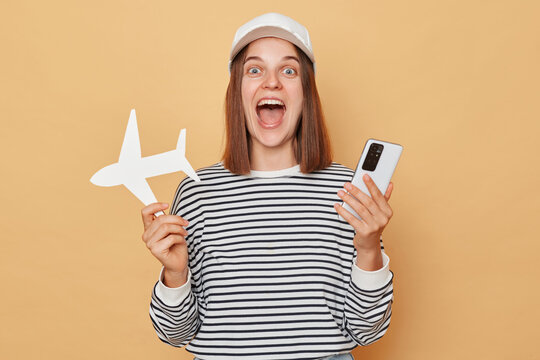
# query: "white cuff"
{"type": "Point", "coordinates": [172, 296]}
{"type": "Point", "coordinates": [372, 280]}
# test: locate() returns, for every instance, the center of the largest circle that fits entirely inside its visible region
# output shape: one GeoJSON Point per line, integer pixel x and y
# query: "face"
{"type": "Point", "coordinates": [271, 93]}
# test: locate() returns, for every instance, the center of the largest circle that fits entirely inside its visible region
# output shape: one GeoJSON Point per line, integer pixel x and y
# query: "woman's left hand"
{"type": "Point", "coordinates": [374, 211]}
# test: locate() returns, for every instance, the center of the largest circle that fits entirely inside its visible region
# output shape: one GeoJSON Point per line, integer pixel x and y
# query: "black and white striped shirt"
{"type": "Point", "coordinates": [272, 270]}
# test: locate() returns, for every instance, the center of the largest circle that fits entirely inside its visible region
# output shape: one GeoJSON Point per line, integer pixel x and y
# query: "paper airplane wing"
{"type": "Point", "coordinates": [131, 147]}
{"type": "Point", "coordinates": [141, 189]}
{"type": "Point", "coordinates": [186, 166]}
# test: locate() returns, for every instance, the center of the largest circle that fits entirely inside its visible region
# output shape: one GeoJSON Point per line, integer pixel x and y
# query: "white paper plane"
{"type": "Point", "coordinates": [131, 170]}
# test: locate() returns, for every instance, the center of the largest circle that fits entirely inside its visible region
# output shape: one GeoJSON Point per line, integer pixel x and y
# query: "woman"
{"type": "Point", "coordinates": [256, 262]}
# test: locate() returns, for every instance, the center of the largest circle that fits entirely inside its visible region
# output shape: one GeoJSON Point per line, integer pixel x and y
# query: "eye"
{"type": "Point", "coordinates": [289, 71]}
{"type": "Point", "coordinates": [253, 70]}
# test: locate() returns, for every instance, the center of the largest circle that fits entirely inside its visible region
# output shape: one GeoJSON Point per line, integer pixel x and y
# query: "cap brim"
{"type": "Point", "coordinates": [269, 31]}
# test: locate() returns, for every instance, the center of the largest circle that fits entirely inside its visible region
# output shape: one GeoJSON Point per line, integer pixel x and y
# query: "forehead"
{"type": "Point", "coordinates": [270, 46]}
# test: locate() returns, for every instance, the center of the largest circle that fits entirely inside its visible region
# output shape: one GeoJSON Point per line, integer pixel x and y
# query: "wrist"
{"type": "Point", "coordinates": [369, 259]}
{"type": "Point", "coordinates": [174, 279]}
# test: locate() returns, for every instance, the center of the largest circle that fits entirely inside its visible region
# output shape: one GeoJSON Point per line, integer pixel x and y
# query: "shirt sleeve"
{"type": "Point", "coordinates": [175, 311]}
{"type": "Point", "coordinates": [172, 296]}
{"type": "Point", "coordinates": [368, 303]}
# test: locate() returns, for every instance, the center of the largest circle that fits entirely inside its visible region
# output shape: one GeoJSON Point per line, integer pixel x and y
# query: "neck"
{"type": "Point", "coordinates": [270, 159]}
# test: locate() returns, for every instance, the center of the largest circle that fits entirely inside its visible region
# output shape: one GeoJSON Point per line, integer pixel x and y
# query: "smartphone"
{"type": "Point", "coordinates": [379, 160]}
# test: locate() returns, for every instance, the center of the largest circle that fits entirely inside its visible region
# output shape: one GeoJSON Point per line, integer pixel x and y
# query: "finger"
{"type": "Point", "coordinates": [389, 191]}
{"type": "Point", "coordinates": [372, 187]}
{"type": "Point", "coordinates": [372, 217]}
{"type": "Point", "coordinates": [363, 198]}
{"type": "Point", "coordinates": [148, 211]}
{"type": "Point", "coordinates": [167, 243]}
{"type": "Point", "coordinates": [173, 219]}
{"type": "Point", "coordinates": [150, 232]}
{"type": "Point", "coordinates": [376, 195]}
{"type": "Point", "coordinates": [356, 205]}
{"type": "Point", "coordinates": [356, 223]}
{"type": "Point", "coordinates": [165, 219]}
{"type": "Point", "coordinates": [165, 230]}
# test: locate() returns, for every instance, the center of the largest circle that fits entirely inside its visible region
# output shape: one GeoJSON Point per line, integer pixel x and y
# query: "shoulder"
{"type": "Point", "coordinates": [214, 176]}
{"type": "Point", "coordinates": [205, 174]}
{"type": "Point", "coordinates": [335, 171]}
{"type": "Point", "coordinates": [189, 190]}
{"type": "Point", "coordinates": [337, 167]}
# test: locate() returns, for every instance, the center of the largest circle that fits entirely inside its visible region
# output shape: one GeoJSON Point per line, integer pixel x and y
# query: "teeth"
{"type": "Point", "coordinates": [270, 102]}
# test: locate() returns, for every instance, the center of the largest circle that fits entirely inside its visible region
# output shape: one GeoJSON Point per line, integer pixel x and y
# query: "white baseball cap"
{"type": "Point", "coordinates": [272, 25]}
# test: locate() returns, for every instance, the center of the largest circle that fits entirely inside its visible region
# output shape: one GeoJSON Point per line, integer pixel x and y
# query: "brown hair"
{"type": "Point", "coordinates": [312, 143]}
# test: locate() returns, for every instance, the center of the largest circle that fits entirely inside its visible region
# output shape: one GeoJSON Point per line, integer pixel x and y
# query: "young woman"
{"type": "Point", "coordinates": [256, 262]}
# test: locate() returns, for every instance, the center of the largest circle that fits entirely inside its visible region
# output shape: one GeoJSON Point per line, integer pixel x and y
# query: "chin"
{"type": "Point", "coordinates": [272, 141]}
{"type": "Point", "coordinates": [267, 135]}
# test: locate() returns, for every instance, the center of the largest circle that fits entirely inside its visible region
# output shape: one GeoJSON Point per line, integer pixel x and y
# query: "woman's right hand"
{"type": "Point", "coordinates": [165, 236]}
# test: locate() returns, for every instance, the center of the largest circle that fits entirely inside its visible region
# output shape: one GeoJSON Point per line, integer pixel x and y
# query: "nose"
{"type": "Point", "coordinates": [272, 81]}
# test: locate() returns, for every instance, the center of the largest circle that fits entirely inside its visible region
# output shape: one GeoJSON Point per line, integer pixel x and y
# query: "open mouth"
{"type": "Point", "coordinates": [270, 115]}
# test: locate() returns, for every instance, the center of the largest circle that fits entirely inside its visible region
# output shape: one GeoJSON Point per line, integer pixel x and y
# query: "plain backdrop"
{"type": "Point", "coordinates": [455, 82]}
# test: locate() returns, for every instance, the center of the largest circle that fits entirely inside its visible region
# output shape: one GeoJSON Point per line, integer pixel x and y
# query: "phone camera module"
{"type": "Point", "coordinates": [373, 156]}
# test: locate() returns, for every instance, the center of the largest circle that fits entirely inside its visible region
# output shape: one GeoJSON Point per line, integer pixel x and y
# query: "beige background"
{"type": "Point", "coordinates": [455, 82]}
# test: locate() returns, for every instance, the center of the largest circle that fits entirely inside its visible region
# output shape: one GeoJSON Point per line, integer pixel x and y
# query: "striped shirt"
{"type": "Point", "coordinates": [272, 271]}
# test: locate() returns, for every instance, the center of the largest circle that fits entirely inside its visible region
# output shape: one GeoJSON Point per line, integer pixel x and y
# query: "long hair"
{"type": "Point", "coordinates": [312, 143]}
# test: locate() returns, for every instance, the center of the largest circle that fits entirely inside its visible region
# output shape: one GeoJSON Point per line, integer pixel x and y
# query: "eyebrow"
{"type": "Point", "coordinates": [283, 59]}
